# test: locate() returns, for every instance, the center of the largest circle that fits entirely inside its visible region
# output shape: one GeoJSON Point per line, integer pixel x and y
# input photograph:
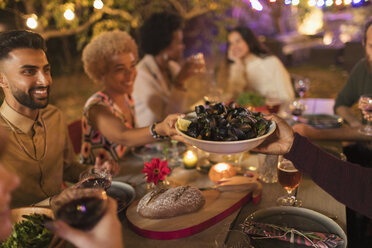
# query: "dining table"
{"type": "Point", "coordinates": [312, 196]}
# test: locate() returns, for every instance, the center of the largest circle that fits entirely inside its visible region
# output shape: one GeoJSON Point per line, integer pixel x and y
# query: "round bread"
{"type": "Point", "coordinates": [167, 203]}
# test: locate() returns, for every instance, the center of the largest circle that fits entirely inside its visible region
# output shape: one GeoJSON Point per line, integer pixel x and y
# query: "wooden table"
{"type": "Point", "coordinates": [312, 196]}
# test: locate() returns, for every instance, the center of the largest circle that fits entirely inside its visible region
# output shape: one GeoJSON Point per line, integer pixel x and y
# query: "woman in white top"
{"type": "Point", "coordinates": [159, 86]}
{"type": "Point", "coordinates": [253, 68]}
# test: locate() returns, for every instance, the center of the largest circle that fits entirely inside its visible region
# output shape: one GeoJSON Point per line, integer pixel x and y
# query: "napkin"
{"type": "Point", "coordinates": [311, 239]}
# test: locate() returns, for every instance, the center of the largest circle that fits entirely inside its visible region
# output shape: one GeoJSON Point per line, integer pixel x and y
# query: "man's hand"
{"type": "Point", "coordinates": [106, 233]}
{"type": "Point", "coordinates": [108, 165]}
{"type": "Point", "coordinates": [280, 142]}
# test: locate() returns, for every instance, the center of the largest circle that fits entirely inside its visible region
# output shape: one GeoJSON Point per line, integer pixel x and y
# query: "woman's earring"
{"type": "Point", "coordinates": [165, 56]}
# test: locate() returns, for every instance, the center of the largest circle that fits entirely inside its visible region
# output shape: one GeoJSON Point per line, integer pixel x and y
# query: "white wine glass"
{"type": "Point", "coordinates": [302, 85]}
{"type": "Point", "coordinates": [289, 178]}
{"type": "Point", "coordinates": [365, 105]}
{"type": "Point", "coordinates": [297, 107]}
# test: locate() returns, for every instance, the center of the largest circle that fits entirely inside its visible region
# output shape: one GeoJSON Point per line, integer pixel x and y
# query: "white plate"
{"type": "Point", "coordinates": [123, 193]}
{"type": "Point", "coordinates": [227, 147]}
{"type": "Point", "coordinates": [299, 218]}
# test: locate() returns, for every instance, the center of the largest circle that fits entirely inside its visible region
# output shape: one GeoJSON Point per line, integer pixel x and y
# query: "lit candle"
{"type": "Point", "coordinates": [190, 159]}
{"type": "Point", "coordinates": [221, 170]}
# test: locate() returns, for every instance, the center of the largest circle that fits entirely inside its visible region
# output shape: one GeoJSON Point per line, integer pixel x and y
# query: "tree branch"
{"type": "Point", "coordinates": [124, 14]}
{"type": "Point", "coordinates": [196, 12]}
{"type": "Point", "coordinates": [65, 32]}
{"type": "Point", "coordinates": [178, 6]}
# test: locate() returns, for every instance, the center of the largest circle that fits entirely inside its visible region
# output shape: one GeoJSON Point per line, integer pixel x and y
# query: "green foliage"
{"type": "Point", "coordinates": [124, 14]}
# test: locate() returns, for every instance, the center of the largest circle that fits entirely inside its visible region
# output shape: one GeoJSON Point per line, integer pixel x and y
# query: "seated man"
{"type": "Point", "coordinates": [39, 151]}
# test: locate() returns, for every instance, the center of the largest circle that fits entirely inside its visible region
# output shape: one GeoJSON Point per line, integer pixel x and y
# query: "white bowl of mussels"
{"type": "Point", "coordinates": [222, 129]}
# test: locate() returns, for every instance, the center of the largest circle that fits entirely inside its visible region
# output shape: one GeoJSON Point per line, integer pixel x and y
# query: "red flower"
{"type": "Point", "coordinates": [156, 170]}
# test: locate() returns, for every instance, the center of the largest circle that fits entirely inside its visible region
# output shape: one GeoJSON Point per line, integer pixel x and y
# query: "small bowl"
{"type": "Point", "coordinates": [16, 214]}
{"type": "Point", "coordinates": [227, 147]}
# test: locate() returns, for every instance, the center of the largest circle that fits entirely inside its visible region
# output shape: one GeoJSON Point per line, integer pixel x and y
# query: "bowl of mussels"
{"type": "Point", "coordinates": [224, 129]}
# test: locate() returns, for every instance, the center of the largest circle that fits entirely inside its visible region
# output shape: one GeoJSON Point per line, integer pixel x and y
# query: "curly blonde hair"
{"type": "Point", "coordinates": [96, 55]}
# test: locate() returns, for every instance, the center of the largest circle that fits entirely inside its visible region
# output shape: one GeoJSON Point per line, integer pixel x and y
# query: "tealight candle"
{"type": "Point", "coordinates": [221, 170]}
{"type": "Point", "coordinates": [190, 159]}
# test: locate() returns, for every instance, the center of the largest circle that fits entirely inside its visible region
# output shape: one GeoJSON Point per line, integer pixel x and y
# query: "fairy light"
{"type": "Point", "coordinates": [347, 2]}
{"type": "Point", "coordinates": [256, 5]}
{"type": "Point", "coordinates": [295, 2]}
{"type": "Point", "coordinates": [338, 2]}
{"type": "Point", "coordinates": [320, 3]}
{"type": "Point", "coordinates": [311, 3]}
{"type": "Point", "coordinates": [329, 3]}
{"type": "Point", "coordinates": [98, 4]}
{"type": "Point", "coordinates": [356, 1]}
{"type": "Point", "coordinates": [31, 21]}
{"type": "Point", "coordinates": [287, 2]}
{"type": "Point", "coordinates": [69, 15]}
{"type": "Point", "coordinates": [272, 1]}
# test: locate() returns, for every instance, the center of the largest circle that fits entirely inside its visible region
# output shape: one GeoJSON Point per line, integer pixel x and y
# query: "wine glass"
{"type": "Point", "coordinates": [289, 178]}
{"type": "Point", "coordinates": [197, 62]}
{"type": "Point", "coordinates": [365, 104]}
{"type": "Point", "coordinates": [272, 102]}
{"type": "Point", "coordinates": [297, 107]}
{"type": "Point", "coordinates": [81, 208]}
{"type": "Point", "coordinates": [95, 178]}
{"type": "Point", "coordinates": [302, 85]}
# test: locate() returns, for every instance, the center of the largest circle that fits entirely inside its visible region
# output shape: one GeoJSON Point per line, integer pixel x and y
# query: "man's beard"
{"type": "Point", "coordinates": [27, 100]}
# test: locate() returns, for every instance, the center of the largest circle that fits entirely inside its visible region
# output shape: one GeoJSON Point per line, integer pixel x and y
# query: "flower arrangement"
{"type": "Point", "coordinates": [156, 170]}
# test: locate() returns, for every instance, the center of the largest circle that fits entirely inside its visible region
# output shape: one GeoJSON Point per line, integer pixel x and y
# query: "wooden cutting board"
{"type": "Point", "coordinates": [218, 206]}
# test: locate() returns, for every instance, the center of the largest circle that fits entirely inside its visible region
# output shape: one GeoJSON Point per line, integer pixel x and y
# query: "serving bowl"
{"type": "Point", "coordinates": [227, 147]}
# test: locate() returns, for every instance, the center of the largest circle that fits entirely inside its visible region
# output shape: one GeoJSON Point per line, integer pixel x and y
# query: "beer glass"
{"type": "Point", "coordinates": [289, 178]}
{"type": "Point", "coordinates": [365, 105]}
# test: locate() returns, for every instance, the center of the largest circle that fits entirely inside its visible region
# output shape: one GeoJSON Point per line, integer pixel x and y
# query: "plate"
{"type": "Point", "coordinates": [227, 147]}
{"type": "Point", "coordinates": [322, 120]}
{"type": "Point", "coordinates": [298, 218]}
{"type": "Point", "coordinates": [123, 193]}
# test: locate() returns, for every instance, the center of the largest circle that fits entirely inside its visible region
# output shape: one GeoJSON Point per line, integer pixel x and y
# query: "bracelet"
{"type": "Point", "coordinates": [153, 133]}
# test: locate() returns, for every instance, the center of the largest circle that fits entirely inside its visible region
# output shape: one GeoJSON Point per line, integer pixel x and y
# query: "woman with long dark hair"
{"type": "Point", "coordinates": [253, 67]}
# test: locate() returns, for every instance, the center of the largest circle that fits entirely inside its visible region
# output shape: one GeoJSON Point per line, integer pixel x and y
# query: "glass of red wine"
{"type": "Point", "coordinates": [80, 208]}
{"type": "Point", "coordinates": [297, 107]}
{"type": "Point", "coordinates": [365, 105]}
{"type": "Point", "coordinates": [95, 179]}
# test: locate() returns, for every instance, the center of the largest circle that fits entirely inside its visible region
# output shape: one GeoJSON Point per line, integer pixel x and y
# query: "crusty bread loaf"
{"type": "Point", "coordinates": [172, 202]}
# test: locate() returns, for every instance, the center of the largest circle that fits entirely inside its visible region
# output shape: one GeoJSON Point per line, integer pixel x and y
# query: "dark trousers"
{"type": "Point", "coordinates": [359, 227]}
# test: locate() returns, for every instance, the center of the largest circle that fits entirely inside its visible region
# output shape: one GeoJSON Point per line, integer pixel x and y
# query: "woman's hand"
{"type": "Point", "coordinates": [106, 233]}
{"type": "Point", "coordinates": [108, 165]}
{"type": "Point", "coordinates": [306, 130]}
{"type": "Point", "coordinates": [280, 142]}
{"type": "Point", "coordinates": [168, 127]}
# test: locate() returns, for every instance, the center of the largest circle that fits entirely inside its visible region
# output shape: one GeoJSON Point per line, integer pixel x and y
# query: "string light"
{"type": "Point", "coordinates": [98, 4]}
{"type": "Point", "coordinates": [320, 3]}
{"type": "Point", "coordinates": [287, 2]}
{"type": "Point", "coordinates": [329, 3]}
{"type": "Point", "coordinates": [31, 21]}
{"type": "Point", "coordinates": [69, 15]}
{"type": "Point", "coordinates": [347, 2]}
{"type": "Point", "coordinates": [272, 1]}
{"type": "Point", "coordinates": [338, 2]}
{"type": "Point", "coordinates": [256, 5]}
{"type": "Point", "coordinates": [295, 2]}
{"type": "Point", "coordinates": [312, 3]}
{"type": "Point", "coordinates": [356, 1]}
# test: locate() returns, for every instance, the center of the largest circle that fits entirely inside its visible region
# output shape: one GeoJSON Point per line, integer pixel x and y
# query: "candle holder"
{"type": "Point", "coordinates": [190, 159]}
{"type": "Point", "coordinates": [221, 170]}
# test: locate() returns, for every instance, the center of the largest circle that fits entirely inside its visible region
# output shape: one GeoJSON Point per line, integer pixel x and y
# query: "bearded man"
{"type": "Point", "coordinates": [39, 150]}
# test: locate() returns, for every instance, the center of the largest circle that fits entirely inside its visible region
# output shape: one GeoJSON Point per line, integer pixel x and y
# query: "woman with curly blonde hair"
{"type": "Point", "coordinates": [108, 118]}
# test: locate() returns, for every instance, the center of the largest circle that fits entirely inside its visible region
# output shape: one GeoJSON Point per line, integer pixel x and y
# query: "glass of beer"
{"type": "Point", "coordinates": [289, 177]}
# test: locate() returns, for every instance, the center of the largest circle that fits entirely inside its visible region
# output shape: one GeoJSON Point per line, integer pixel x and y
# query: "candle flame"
{"type": "Point", "coordinates": [222, 167]}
